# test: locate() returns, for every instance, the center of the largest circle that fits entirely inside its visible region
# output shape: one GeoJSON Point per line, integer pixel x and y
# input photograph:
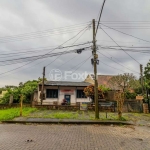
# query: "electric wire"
{"type": "Point", "coordinates": [120, 46]}
{"type": "Point", "coordinates": [34, 60]}
{"type": "Point", "coordinates": [40, 34]}
{"type": "Point", "coordinates": [84, 30]}
{"type": "Point", "coordinates": [118, 63]}
{"type": "Point", "coordinates": [100, 16]}
{"type": "Point", "coordinates": [126, 33]}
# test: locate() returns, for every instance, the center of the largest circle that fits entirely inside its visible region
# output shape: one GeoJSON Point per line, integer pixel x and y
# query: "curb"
{"type": "Point", "coordinates": [69, 122]}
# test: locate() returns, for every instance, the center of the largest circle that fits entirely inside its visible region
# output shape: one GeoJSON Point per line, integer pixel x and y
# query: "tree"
{"type": "Point", "coordinates": [147, 75]}
{"type": "Point", "coordinates": [26, 89]}
{"type": "Point", "coordinates": [124, 82]}
{"type": "Point", "coordinates": [104, 88]}
{"type": "Point", "coordinates": [89, 92]}
{"type": "Point", "coordinates": [40, 79]}
{"type": "Point", "coordinates": [16, 92]}
{"type": "Point", "coordinates": [120, 96]}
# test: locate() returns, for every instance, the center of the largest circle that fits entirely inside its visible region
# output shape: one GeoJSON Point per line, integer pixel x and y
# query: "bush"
{"type": "Point", "coordinates": [130, 95]}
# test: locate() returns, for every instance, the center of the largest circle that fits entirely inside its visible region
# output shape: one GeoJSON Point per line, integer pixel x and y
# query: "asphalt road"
{"type": "Point", "coordinates": [73, 137]}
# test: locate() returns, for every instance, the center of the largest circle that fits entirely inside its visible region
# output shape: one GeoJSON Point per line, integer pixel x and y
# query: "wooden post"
{"type": "Point", "coordinates": [21, 101]}
{"type": "Point", "coordinates": [42, 90]}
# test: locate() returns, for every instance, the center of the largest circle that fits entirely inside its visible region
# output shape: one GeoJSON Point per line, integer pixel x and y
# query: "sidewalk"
{"type": "Point", "coordinates": [24, 120]}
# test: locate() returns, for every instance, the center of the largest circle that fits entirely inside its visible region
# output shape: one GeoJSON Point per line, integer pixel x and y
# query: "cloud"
{"type": "Point", "coordinates": [21, 17]}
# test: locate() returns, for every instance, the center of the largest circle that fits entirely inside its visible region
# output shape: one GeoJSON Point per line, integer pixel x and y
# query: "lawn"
{"type": "Point", "coordinates": [8, 114]}
{"type": "Point", "coordinates": [80, 115]}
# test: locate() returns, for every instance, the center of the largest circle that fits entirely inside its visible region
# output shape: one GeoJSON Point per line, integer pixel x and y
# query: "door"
{"type": "Point", "coordinates": [67, 97]}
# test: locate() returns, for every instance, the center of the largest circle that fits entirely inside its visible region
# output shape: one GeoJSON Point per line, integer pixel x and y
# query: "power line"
{"type": "Point", "coordinates": [85, 29]}
{"type": "Point", "coordinates": [47, 30]}
{"type": "Point", "coordinates": [126, 42]}
{"type": "Point", "coordinates": [130, 50]}
{"type": "Point", "coordinates": [120, 46]}
{"type": "Point", "coordinates": [111, 66]}
{"type": "Point", "coordinates": [126, 33]}
{"type": "Point", "coordinates": [37, 51]}
{"type": "Point", "coordinates": [24, 59]}
{"type": "Point", "coordinates": [38, 34]}
{"type": "Point", "coordinates": [34, 60]}
{"type": "Point", "coordinates": [118, 63]}
{"type": "Point", "coordinates": [132, 47]}
{"type": "Point", "coordinates": [81, 64]}
{"type": "Point", "coordinates": [76, 55]}
{"type": "Point", "coordinates": [100, 16]}
{"type": "Point", "coordinates": [41, 36]}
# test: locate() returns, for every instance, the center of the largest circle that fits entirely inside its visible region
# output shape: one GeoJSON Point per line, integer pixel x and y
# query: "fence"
{"type": "Point", "coordinates": [15, 105]}
{"type": "Point", "coordinates": [133, 106]}
{"type": "Point", "coordinates": [129, 106]}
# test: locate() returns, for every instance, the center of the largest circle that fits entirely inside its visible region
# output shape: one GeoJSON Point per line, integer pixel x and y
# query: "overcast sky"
{"type": "Point", "coordinates": [33, 25]}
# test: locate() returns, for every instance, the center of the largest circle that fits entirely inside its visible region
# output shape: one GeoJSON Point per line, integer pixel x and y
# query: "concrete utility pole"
{"type": "Point", "coordinates": [95, 73]}
{"type": "Point", "coordinates": [42, 90]}
{"type": "Point", "coordinates": [141, 72]}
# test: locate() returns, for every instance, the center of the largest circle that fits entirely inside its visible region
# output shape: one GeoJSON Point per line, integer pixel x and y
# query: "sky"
{"type": "Point", "coordinates": [41, 26]}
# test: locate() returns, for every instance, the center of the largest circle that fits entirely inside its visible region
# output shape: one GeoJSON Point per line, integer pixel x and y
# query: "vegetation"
{"type": "Point", "coordinates": [104, 88]}
{"type": "Point", "coordinates": [80, 115]}
{"type": "Point", "coordinates": [89, 92]}
{"type": "Point", "coordinates": [8, 114]}
{"type": "Point", "coordinates": [125, 82]}
{"type": "Point", "coordinates": [147, 75]}
{"type": "Point", "coordinates": [130, 95]}
{"type": "Point", "coordinates": [26, 89]}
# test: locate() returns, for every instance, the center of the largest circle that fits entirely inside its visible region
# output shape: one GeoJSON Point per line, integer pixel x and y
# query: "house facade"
{"type": "Point", "coordinates": [56, 91]}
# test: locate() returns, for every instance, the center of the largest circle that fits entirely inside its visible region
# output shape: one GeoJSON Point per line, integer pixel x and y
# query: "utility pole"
{"type": "Point", "coordinates": [95, 73]}
{"type": "Point", "coordinates": [141, 76]}
{"type": "Point", "coordinates": [42, 90]}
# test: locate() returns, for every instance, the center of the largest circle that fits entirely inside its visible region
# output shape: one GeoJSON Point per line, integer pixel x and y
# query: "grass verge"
{"type": "Point", "coordinates": [11, 113]}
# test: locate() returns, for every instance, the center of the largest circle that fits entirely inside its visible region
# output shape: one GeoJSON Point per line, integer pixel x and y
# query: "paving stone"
{"type": "Point", "coordinates": [72, 137]}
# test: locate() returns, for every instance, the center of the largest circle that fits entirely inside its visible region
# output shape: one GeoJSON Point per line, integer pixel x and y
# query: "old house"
{"type": "Point", "coordinates": [56, 91]}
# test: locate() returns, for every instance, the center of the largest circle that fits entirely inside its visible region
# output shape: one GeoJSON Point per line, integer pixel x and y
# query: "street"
{"type": "Point", "coordinates": [73, 137]}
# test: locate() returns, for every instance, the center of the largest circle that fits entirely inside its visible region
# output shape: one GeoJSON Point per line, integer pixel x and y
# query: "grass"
{"type": "Point", "coordinates": [28, 112]}
{"type": "Point", "coordinates": [9, 114]}
{"type": "Point", "coordinates": [80, 115]}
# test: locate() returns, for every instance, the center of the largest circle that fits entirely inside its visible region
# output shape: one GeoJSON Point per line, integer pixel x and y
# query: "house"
{"type": "Point", "coordinates": [56, 91]}
{"type": "Point", "coordinates": [102, 80]}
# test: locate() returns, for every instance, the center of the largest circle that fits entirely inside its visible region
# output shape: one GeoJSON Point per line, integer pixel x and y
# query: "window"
{"type": "Point", "coordinates": [51, 93]}
{"type": "Point", "coordinates": [80, 94]}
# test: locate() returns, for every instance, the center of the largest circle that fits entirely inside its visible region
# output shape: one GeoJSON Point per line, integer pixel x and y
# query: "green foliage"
{"type": "Point", "coordinates": [130, 95]}
{"type": "Point", "coordinates": [147, 75]}
{"type": "Point", "coordinates": [16, 95]}
{"type": "Point", "coordinates": [138, 90]}
{"type": "Point", "coordinates": [104, 88]}
{"type": "Point", "coordinates": [8, 114]}
{"type": "Point", "coordinates": [26, 89]}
